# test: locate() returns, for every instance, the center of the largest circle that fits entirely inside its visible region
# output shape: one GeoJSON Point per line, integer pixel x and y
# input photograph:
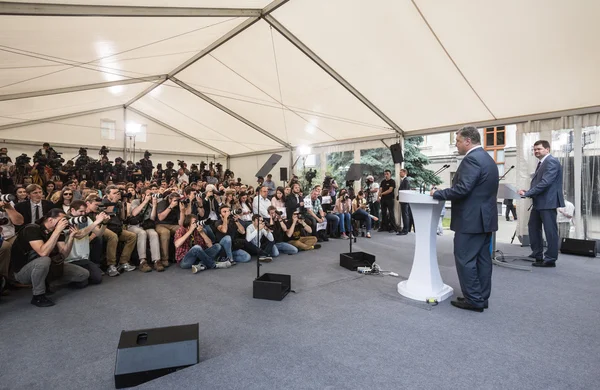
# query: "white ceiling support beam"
{"type": "Point", "coordinates": [329, 70]}
{"type": "Point", "coordinates": [78, 88]}
{"type": "Point", "coordinates": [41, 9]}
{"type": "Point", "coordinates": [59, 117]}
{"type": "Point", "coordinates": [272, 6]}
{"type": "Point", "coordinates": [181, 133]}
{"type": "Point", "coordinates": [230, 112]}
{"type": "Point", "coordinates": [508, 121]}
{"type": "Point", "coordinates": [258, 153]}
{"type": "Point", "coordinates": [222, 40]}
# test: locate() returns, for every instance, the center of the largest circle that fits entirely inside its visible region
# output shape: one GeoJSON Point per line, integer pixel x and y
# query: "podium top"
{"type": "Point", "coordinates": [406, 196]}
{"type": "Point", "coordinates": [508, 191]}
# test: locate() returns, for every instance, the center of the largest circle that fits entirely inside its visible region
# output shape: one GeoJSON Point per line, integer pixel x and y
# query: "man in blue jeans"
{"type": "Point", "coordinates": [279, 229]}
{"type": "Point", "coordinates": [194, 249]}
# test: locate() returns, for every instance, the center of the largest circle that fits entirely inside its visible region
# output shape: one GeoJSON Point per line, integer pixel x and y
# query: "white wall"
{"type": "Point", "coordinates": [246, 167]}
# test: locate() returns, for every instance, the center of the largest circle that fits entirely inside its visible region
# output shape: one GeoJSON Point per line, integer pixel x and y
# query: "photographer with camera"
{"type": "Point", "coordinates": [300, 237]}
{"type": "Point", "coordinates": [146, 166]}
{"type": "Point", "coordinates": [343, 208]}
{"type": "Point", "coordinates": [330, 185]}
{"type": "Point", "coordinates": [9, 217]}
{"type": "Point", "coordinates": [316, 215]}
{"type": "Point", "coordinates": [280, 233]}
{"type": "Point", "coordinates": [170, 217]}
{"type": "Point", "coordinates": [259, 236]}
{"type": "Point", "coordinates": [38, 253]}
{"type": "Point", "coordinates": [371, 190]}
{"type": "Point", "coordinates": [194, 249]}
{"type": "Point", "coordinates": [141, 221]}
{"type": "Point", "coordinates": [359, 211]}
{"type": "Point", "coordinates": [115, 208]}
{"type": "Point", "coordinates": [88, 230]}
{"type": "Point", "coordinates": [230, 234]}
{"type": "Point", "coordinates": [211, 203]}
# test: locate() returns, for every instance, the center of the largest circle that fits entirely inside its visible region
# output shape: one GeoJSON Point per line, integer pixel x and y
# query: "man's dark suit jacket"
{"type": "Point", "coordinates": [405, 184]}
{"type": "Point", "coordinates": [24, 208]}
{"type": "Point", "coordinates": [546, 186]}
{"type": "Point", "coordinates": [473, 194]}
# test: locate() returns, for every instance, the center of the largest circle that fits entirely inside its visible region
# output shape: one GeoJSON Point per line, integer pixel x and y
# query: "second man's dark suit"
{"type": "Point", "coordinates": [546, 192]}
{"type": "Point", "coordinates": [474, 218]}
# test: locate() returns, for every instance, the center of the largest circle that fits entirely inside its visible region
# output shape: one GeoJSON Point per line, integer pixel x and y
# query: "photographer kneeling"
{"type": "Point", "coordinates": [141, 222]}
{"type": "Point", "coordinates": [280, 233]}
{"type": "Point", "coordinates": [194, 248]}
{"type": "Point", "coordinates": [40, 246]}
{"type": "Point", "coordinates": [300, 237]}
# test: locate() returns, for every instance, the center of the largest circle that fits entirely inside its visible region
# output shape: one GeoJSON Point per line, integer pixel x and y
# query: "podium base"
{"type": "Point", "coordinates": [405, 291]}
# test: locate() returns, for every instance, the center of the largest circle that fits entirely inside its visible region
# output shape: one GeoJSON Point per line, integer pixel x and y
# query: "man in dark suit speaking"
{"type": "Point", "coordinates": [474, 218]}
{"type": "Point", "coordinates": [547, 195]}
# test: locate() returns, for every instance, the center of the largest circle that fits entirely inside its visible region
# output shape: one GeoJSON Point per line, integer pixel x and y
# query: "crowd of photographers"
{"type": "Point", "coordinates": [73, 226]}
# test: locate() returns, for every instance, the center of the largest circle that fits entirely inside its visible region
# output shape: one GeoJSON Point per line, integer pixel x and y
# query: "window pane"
{"type": "Point", "coordinates": [500, 138]}
{"type": "Point", "coordinates": [491, 153]}
{"type": "Point", "coordinates": [500, 169]}
{"type": "Point", "coordinates": [489, 139]}
{"type": "Point", "coordinates": [500, 156]}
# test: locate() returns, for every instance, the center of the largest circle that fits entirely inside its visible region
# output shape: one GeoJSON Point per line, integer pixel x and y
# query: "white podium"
{"type": "Point", "coordinates": [425, 280]}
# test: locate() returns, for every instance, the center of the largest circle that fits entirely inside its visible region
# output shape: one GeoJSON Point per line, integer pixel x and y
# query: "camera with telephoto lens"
{"type": "Point", "coordinates": [23, 159]}
{"type": "Point", "coordinates": [4, 221]}
{"type": "Point", "coordinates": [7, 198]}
{"type": "Point", "coordinates": [199, 195]}
{"type": "Point", "coordinates": [203, 222]}
{"type": "Point", "coordinates": [157, 196]}
{"type": "Point", "coordinates": [299, 215]}
{"type": "Point", "coordinates": [184, 201]}
{"type": "Point", "coordinates": [75, 221]}
{"type": "Point", "coordinates": [126, 195]}
{"type": "Point", "coordinates": [346, 196]}
{"type": "Point", "coordinates": [236, 212]}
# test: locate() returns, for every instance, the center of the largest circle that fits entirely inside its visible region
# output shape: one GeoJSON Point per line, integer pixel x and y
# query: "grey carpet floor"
{"type": "Point", "coordinates": [341, 330]}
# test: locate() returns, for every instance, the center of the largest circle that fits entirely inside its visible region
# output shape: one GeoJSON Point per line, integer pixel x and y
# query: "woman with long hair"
{"type": "Point", "coordinates": [278, 201]}
{"type": "Point", "coordinates": [65, 199]}
{"type": "Point", "coordinates": [20, 193]}
{"type": "Point", "coordinates": [228, 198]}
{"type": "Point", "coordinates": [49, 189]}
{"type": "Point", "coordinates": [246, 206]}
{"type": "Point", "coordinates": [343, 208]}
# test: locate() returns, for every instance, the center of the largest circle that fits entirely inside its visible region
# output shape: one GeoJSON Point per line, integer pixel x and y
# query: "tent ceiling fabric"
{"type": "Point", "coordinates": [421, 63]}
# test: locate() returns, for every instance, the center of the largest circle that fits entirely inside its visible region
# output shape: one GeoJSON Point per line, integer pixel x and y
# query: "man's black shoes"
{"type": "Point", "coordinates": [462, 299]}
{"type": "Point", "coordinates": [41, 301]}
{"type": "Point", "coordinates": [544, 264]}
{"type": "Point", "coordinates": [466, 306]}
{"type": "Point", "coordinates": [401, 233]}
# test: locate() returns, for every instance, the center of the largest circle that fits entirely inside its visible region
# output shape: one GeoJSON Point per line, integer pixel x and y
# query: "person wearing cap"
{"type": "Point", "coordinates": [371, 190]}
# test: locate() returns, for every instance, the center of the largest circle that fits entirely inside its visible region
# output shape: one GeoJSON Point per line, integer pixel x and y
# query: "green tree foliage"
{"type": "Point", "coordinates": [338, 164]}
{"type": "Point", "coordinates": [415, 162]}
{"type": "Point", "coordinates": [379, 159]}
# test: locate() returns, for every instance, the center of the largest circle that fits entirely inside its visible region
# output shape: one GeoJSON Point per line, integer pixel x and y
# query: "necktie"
{"type": "Point", "coordinates": [37, 213]}
{"type": "Point", "coordinates": [538, 166]}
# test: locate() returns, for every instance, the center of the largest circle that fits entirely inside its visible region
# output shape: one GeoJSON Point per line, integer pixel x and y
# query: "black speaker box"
{"type": "Point", "coordinates": [397, 156]}
{"type": "Point", "coordinates": [283, 174]}
{"type": "Point", "coordinates": [578, 247]}
{"type": "Point", "coordinates": [147, 354]}
{"type": "Point", "coordinates": [353, 260]}
{"type": "Point", "coordinates": [273, 287]}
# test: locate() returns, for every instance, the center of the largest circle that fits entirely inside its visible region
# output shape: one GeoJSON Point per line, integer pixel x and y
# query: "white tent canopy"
{"type": "Point", "coordinates": [234, 77]}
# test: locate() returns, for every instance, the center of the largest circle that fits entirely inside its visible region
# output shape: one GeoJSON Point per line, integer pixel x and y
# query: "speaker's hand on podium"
{"type": "Point", "coordinates": [433, 190]}
{"type": "Point", "coordinates": [521, 192]}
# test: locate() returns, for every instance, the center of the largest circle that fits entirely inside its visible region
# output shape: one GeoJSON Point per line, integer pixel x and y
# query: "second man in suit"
{"type": "Point", "coordinates": [547, 195]}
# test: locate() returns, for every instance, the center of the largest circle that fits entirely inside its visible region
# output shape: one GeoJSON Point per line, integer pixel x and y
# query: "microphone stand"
{"type": "Point", "coordinates": [506, 173]}
{"type": "Point", "coordinates": [442, 169]}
